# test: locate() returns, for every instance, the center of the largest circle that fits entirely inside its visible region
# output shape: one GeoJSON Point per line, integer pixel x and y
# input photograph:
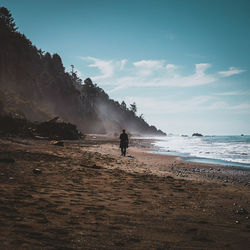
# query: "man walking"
{"type": "Point", "coordinates": [123, 142]}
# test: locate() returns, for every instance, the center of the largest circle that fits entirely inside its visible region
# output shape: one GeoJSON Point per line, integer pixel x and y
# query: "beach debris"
{"type": "Point", "coordinates": [11, 178]}
{"type": "Point", "coordinates": [130, 156]}
{"type": "Point", "coordinates": [51, 129]}
{"type": "Point", "coordinates": [53, 120]}
{"type": "Point", "coordinates": [7, 160]}
{"type": "Point", "coordinates": [237, 222]}
{"type": "Point", "coordinates": [37, 171]}
{"type": "Point", "coordinates": [40, 137]}
{"type": "Point", "coordinates": [57, 143]}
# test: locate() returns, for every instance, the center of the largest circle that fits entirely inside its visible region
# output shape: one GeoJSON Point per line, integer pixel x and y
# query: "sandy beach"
{"type": "Point", "coordinates": [84, 195]}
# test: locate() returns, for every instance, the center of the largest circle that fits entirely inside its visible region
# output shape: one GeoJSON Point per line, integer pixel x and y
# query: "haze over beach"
{"type": "Point", "coordinates": [184, 63]}
{"type": "Point", "coordinates": [124, 124]}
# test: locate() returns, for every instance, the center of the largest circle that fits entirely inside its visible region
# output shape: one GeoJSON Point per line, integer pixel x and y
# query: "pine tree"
{"type": "Point", "coordinates": [123, 105]}
{"type": "Point", "coordinates": [6, 20]}
{"type": "Point", "coordinates": [133, 107]}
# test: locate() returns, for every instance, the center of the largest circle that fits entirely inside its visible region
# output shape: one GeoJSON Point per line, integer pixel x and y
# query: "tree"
{"type": "Point", "coordinates": [74, 75]}
{"type": "Point", "coordinates": [123, 105]}
{"type": "Point", "coordinates": [57, 63]}
{"type": "Point", "coordinates": [141, 116]}
{"type": "Point", "coordinates": [133, 107]}
{"type": "Point", "coordinates": [6, 20]}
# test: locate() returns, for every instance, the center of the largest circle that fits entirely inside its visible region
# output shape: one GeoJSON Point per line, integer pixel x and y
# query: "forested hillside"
{"type": "Point", "coordinates": [34, 85]}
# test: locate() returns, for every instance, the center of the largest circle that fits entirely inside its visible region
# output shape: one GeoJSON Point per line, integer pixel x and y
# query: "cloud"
{"type": "Point", "coordinates": [155, 64]}
{"type": "Point", "coordinates": [121, 74]}
{"type": "Point", "coordinates": [122, 63]}
{"type": "Point", "coordinates": [232, 71]}
{"type": "Point", "coordinates": [148, 67]}
{"type": "Point", "coordinates": [171, 66]}
{"type": "Point", "coordinates": [154, 106]}
{"type": "Point", "coordinates": [106, 67]}
{"type": "Point", "coordinates": [164, 77]}
{"type": "Point", "coordinates": [233, 93]}
{"type": "Point", "coordinates": [242, 108]}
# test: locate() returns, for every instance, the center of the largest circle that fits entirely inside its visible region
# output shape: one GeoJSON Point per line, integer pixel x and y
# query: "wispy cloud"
{"type": "Point", "coordinates": [122, 63]}
{"type": "Point", "coordinates": [233, 93]}
{"type": "Point", "coordinates": [148, 67]}
{"type": "Point", "coordinates": [171, 67]}
{"type": "Point", "coordinates": [231, 71]}
{"type": "Point", "coordinates": [106, 67]}
{"type": "Point", "coordinates": [147, 73]}
{"type": "Point", "coordinates": [154, 106]}
{"type": "Point", "coordinates": [144, 76]}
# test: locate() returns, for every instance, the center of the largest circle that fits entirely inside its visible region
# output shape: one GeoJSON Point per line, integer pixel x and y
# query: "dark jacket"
{"type": "Point", "coordinates": [123, 140]}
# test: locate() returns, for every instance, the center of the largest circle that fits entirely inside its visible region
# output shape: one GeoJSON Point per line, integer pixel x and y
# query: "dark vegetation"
{"type": "Point", "coordinates": [35, 86]}
{"type": "Point", "coordinates": [52, 130]}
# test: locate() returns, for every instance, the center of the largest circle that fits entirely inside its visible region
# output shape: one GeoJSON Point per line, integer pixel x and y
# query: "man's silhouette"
{"type": "Point", "coordinates": [123, 142]}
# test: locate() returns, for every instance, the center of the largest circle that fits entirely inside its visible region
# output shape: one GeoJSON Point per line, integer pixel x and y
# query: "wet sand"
{"type": "Point", "coordinates": [86, 196]}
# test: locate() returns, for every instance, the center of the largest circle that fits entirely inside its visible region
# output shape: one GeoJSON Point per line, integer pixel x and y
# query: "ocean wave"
{"type": "Point", "coordinates": [226, 148]}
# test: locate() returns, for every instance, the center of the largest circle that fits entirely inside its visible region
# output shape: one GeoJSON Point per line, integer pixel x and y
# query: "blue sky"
{"type": "Point", "coordinates": [184, 62]}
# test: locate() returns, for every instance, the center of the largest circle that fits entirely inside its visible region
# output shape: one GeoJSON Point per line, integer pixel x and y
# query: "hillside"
{"type": "Point", "coordinates": [35, 85]}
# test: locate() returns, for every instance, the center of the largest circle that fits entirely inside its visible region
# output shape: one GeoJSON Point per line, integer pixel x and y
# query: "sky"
{"type": "Point", "coordinates": [184, 62]}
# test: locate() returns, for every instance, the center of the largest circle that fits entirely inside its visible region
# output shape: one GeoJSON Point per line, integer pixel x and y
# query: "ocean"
{"type": "Point", "coordinates": [225, 150]}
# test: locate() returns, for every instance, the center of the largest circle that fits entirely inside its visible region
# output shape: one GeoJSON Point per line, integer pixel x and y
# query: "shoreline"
{"type": "Point", "coordinates": [199, 159]}
{"type": "Point", "coordinates": [165, 164]}
{"type": "Point", "coordinates": [84, 195]}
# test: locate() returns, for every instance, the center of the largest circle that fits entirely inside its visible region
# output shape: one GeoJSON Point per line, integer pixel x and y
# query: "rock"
{"type": "Point", "coordinates": [7, 160]}
{"type": "Point", "coordinates": [197, 134]}
{"type": "Point", "coordinates": [241, 211]}
{"type": "Point", "coordinates": [37, 171]}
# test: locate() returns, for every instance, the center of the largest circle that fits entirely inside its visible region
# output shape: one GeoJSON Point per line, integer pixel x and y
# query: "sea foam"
{"type": "Point", "coordinates": [231, 149]}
